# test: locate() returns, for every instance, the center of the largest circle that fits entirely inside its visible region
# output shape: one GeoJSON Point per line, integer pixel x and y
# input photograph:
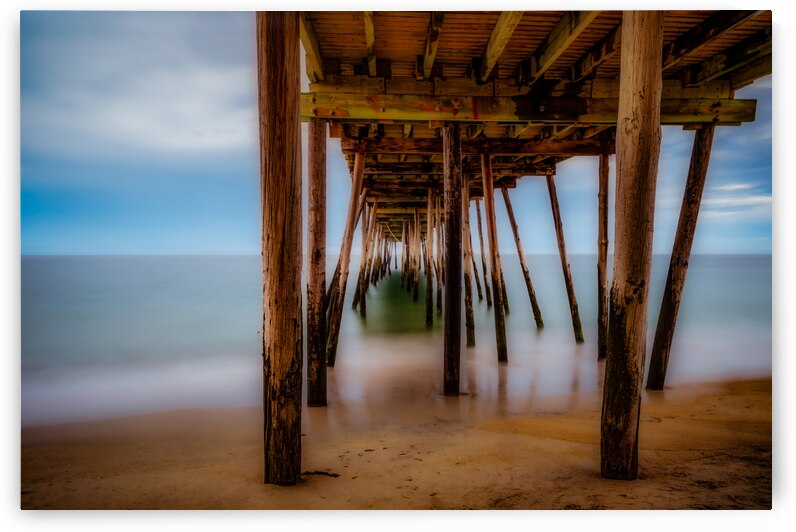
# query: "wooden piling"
{"type": "Point", "coordinates": [483, 255]}
{"type": "Point", "coordinates": [428, 265]}
{"type": "Point", "coordinates": [316, 264]}
{"type": "Point", "coordinates": [602, 260]}
{"type": "Point", "coordinates": [438, 252]}
{"type": "Point", "coordinates": [472, 257]}
{"type": "Point", "coordinates": [681, 253]}
{"type": "Point", "coordinates": [452, 161]}
{"type": "Point", "coordinates": [336, 305]}
{"type": "Point", "coordinates": [363, 262]}
{"type": "Point", "coordinates": [280, 184]}
{"type": "Point", "coordinates": [537, 314]}
{"type": "Point", "coordinates": [497, 288]}
{"type": "Point", "coordinates": [469, 319]}
{"type": "Point", "coordinates": [562, 253]}
{"type": "Point", "coordinates": [637, 151]}
{"type": "Point", "coordinates": [416, 257]}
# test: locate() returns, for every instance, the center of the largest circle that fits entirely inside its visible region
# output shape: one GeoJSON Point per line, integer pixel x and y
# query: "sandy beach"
{"type": "Point", "coordinates": [702, 446]}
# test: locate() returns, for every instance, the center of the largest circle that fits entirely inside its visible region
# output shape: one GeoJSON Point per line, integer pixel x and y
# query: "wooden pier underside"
{"type": "Point", "coordinates": [531, 88]}
{"type": "Point", "coordinates": [436, 109]}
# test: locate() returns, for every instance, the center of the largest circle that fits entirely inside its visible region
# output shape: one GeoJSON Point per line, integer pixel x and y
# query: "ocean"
{"type": "Point", "coordinates": [107, 336]}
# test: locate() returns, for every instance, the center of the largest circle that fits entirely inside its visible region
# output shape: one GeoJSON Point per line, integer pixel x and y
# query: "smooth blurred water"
{"type": "Point", "coordinates": [108, 336]}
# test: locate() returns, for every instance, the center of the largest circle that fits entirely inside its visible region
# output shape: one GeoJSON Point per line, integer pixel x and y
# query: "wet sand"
{"type": "Point", "coordinates": [702, 446]}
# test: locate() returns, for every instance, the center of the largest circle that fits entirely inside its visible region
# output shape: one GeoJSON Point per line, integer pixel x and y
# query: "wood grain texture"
{"type": "Point", "coordinates": [316, 265]}
{"type": "Point", "coordinates": [278, 75]}
{"type": "Point", "coordinates": [638, 149]}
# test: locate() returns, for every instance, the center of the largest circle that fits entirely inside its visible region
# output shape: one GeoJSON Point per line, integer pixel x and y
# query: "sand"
{"type": "Point", "coordinates": [701, 446]}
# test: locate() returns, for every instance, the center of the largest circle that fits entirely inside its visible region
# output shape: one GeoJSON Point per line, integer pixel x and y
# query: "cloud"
{"type": "Point", "coordinates": [738, 201]}
{"type": "Point", "coordinates": [733, 187]}
{"type": "Point", "coordinates": [145, 90]}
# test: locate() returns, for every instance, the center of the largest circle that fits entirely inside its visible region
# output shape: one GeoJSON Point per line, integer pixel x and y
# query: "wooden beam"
{"type": "Point", "coordinates": [562, 252]}
{"type": "Point", "coordinates": [278, 68]}
{"type": "Point", "coordinates": [703, 34]}
{"type": "Point", "coordinates": [681, 254]}
{"type": "Point", "coordinates": [497, 147]}
{"type": "Point", "coordinates": [735, 57]}
{"type": "Point", "coordinates": [751, 72]}
{"type": "Point", "coordinates": [498, 39]}
{"type": "Point", "coordinates": [316, 264]}
{"type": "Point", "coordinates": [638, 142]}
{"type": "Point", "coordinates": [514, 169]}
{"type": "Point", "coordinates": [370, 39]}
{"type": "Point", "coordinates": [494, 264]}
{"type": "Point", "coordinates": [311, 48]}
{"type": "Point", "coordinates": [469, 318]}
{"type": "Point", "coordinates": [432, 42]}
{"type": "Point", "coordinates": [602, 259]}
{"type": "Point", "coordinates": [380, 107]}
{"type": "Point", "coordinates": [601, 52]}
{"type": "Point", "coordinates": [558, 40]}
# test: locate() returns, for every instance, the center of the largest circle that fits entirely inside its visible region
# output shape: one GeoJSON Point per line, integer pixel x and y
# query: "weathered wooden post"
{"type": "Point", "coordinates": [404, 253]}
{"type": "Point", "coordinates": [363, 261]}
{"type": "Point", "coordinates": [316, 264]}
{"type": "Point", "coordinates": [562, 252]}
{"type": "Point", "coordinates": [602, 259]}
{"type": "Point", "coordinates": [637, 151]}
{"type": "Point", "coordinates": [537, 314]}
{"type": "Point", "coordinates": [491, 226]}
{"type": "Point", "coordinates": [335, 314]}
{"type": "Point", "coordinates": [428, 265]}
{"type": "Point", "coordinates": [483, 255]}
{"type": "Point", "coordinates": [472, 257]}
{"type": "Point", "coordinates": [280, 181]}
{"type": "Point", "coordinates": [438, 252]}
{"type": "Point", "coordinates": [416, 262]}
{"type": "Point", "coordinates": [469, 319]}
{"type": "Point", "coordinates": [681, 252]}
{"type": "Point", "coordinates": [452, 161]}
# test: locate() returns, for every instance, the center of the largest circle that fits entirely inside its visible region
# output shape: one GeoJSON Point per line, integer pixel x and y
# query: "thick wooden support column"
{"type": "Point", "coordinates": [316, 265]}
{"type": "Point", "coordinates": [681, 252]}
{"type": "Point", "coordinates": [469, 319]}
{"type": "Point", "coordinates": [428, 265]}
{"type": "Point", "coordinates": [278, 72]}
{"type": "Point", "coordinates": [335, 314]}
{"type": "Point", "coordinates": [562, 252]}
{"type": "Point", "coordinates": [491, 226]}
{"type": "Point", "coordinates": [537, 314]}
{"type": "Point", "coordinates": [483, 255]}
{"type": "Point", "coordinates": [452, 314]}
{"type": "Point", "coordinates": [638, 148]}
{"type": "Point", "coordinates": [602, 260]}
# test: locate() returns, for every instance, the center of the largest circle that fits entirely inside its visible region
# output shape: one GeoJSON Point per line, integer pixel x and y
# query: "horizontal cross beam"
{"type": "Point", "coordinates": [375, 107]}
{"type": "Point", "coordinates": [468, 167]}
{"type": "Point", "coordinates": [477, 146]}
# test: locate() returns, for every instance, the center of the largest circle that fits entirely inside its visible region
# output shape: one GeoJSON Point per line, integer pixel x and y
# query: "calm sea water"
{"type": "Point", "coordinates": [109, 336]}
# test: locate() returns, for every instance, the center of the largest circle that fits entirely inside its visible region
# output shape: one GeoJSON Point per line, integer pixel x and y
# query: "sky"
{"type": "Point", "coordinates": [139, 136]}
